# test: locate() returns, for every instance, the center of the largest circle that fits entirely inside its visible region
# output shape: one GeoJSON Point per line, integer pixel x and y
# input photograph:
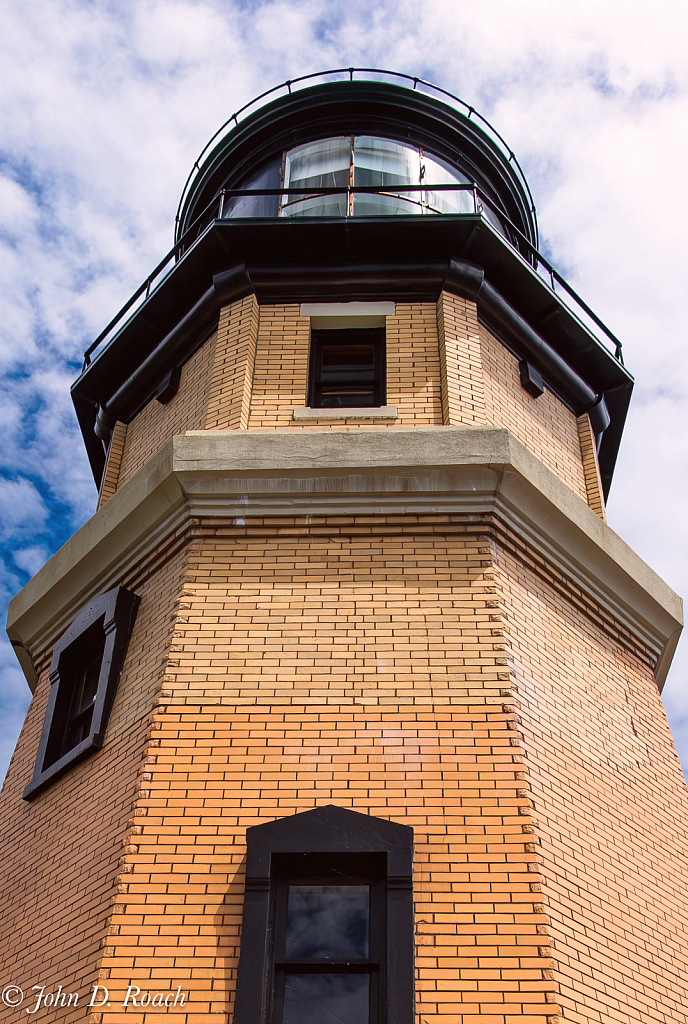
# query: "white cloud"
{"type": "Point", "coordinates": [22, 509]}
{"type": "Point", "coordinates": [31, 558]}
{"type": "Point", "coordinates": [103, 109]}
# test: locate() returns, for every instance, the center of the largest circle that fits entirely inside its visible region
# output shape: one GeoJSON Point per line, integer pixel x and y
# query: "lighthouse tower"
{"type": "Point", "coordinates": [347, 698]}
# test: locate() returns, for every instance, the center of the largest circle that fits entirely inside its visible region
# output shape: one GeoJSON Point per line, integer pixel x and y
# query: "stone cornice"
{"type": "Point", "coordinates": [241, 474]}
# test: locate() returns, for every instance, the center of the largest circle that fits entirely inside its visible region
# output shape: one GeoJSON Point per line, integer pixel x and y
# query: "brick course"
{"type": "Point", "coordinates": [591, 467]}
{"type": "Point", "coordinates": [231, 380]}
{"type": "Point", "coordinates": [543, 424]}
{"type": "Point", "coordinates": [610, 806]}
{"type": "Point", "coordinates": [281, 372]}
{"type": "Point", "coordinates": [359, 663]}
{"type": "Point", "coordinates": [110, 481]}
{"type": "Point", "coordinates": [281, 375]}
{"type": "Point", "coordinates": [463, 389]}
{"type": "Point", "coordinates": [62, 852]}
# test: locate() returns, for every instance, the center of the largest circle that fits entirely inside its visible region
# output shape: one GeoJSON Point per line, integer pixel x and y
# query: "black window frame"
{"type": "Point", "coordinates": [328, 869]}
{"type": "Point", "coordinates": [316, 845]}
{"type": "Point", "coordinates": [99, 636]}
{"type": "Point", "coordinates": [346, 337]}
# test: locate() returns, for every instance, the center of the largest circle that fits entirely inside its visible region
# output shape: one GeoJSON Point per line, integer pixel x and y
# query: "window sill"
{"type": "Point", "coordinates": [381, 412]}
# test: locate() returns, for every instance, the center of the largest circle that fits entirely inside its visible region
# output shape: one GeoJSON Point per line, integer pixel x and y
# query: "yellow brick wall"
{"type": "Point", "coordinates": [281, 370]}
{"type": "Point", "coordinates": [442, 367]}
{"type": "Point", "coordinates": [416, 668]}
{"type": "Point", "coordinates": [363, 665]}
{"type": "Point", "coordinates": [110, 481]}
{"type": "Point", "coordinates": [481, 384]}
{"type": "Point", "coordinates": [463, 386]}
{"type": "Point", "coordinates": [413, 365]}
{"type": "Point", "coordinates": [610, 806]}
{"type": "Point", "coordinates": [543, 424]}
{"type": "Point", "coordinates": [62, 852]}
{"type": "Point", "coordinates": [156, 424]}
{"type": "Point", "coordinates": [591, 467]}
{"type": "Point", "coordinates": [231, 379]}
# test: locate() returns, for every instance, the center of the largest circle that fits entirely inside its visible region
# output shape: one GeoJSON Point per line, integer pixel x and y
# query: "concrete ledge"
{"type": "Point", "coordinates": [239, 474]}
{"type": "Point", "coordinates": [380, 412]}
{"type": "Point", "coordinates": [347, 309]}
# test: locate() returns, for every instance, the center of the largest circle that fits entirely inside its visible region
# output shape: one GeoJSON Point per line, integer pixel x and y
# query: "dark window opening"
{"type": "Point", "coordinates": [73, 714]}
{"type": "Point", "coordinates": [329, 937]}
{"type": "Point", "coordinates": [327, 929]}
{"type": "Point", "coordinates": [84, 672]}
{"type": "Point", "coordinates": [347, 368]}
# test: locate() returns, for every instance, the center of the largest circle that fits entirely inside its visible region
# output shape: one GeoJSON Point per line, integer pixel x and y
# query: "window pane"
{"type": "Point", "coordinates": [385, 163]}
{"type": "Point", "coordinates": [326, 999]}
{"type": "Point", "coordinates": [89, 684]}
{"type": "Point", "coordinates": [328, 921]}
{"type": "Point", "coordinates": [323, 164]}
{"type": "Point", "coordinates": [318, 164]}
{"type": "Point", "coordinates": [333, 397]}
{"type": "Point", "coordinates": [439, 173]}
{"type": "Point", "coordinates": [77, 731]}
{"type": "Point", "coordinates": [347, 363]}
{"type": "Point", "coordinates": [317, 206]}
{"type": "Point", "coordinates": [266, 176]}
{"type": "Point", "coordinates": [81, 711]}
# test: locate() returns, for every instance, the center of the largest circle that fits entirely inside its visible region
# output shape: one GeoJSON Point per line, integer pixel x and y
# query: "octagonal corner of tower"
{"type": "Point", "coordinates": [461, 479]}
{"type": "Point", "coordinates": [348, 650]}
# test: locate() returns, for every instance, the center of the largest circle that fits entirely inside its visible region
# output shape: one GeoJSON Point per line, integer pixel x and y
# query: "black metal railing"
{"type": "Point", "coordinates": [479, 205]}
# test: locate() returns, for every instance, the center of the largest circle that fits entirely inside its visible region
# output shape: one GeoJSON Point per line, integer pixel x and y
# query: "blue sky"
{"type": "Point", "coordinates": [106, 106]}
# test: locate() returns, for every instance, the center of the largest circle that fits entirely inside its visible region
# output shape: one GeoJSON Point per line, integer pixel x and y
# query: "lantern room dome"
{"type": "Point", "coordinates": [359, 149]}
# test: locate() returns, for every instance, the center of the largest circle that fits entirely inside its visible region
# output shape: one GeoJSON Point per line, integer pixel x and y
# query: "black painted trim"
{"type": "Point", "coordinates": [531, 379]}
{"type": "Point", "coordinates": [116, 609]}
{"type": "Point", "coordinates": [326, 830]}
{"type": "Point", "coordinates": [169, 386]}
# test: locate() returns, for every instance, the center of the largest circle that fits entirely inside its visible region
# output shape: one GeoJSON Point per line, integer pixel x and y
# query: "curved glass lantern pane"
{"type": "Point", "coordinates": [370, 162]}
{"type": "Point", "coordinates": [436, 172]}
{"type": "Point", "coordinates": [383, 163]}
{"type": "Point", "coordinates": [322, 164]}
{"type": "Point", "coordinates": [334, 205]}
{"type": "Point", "coordinates": [486, 210]}
{"type": "Point", "coordinates": [266, 176]}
